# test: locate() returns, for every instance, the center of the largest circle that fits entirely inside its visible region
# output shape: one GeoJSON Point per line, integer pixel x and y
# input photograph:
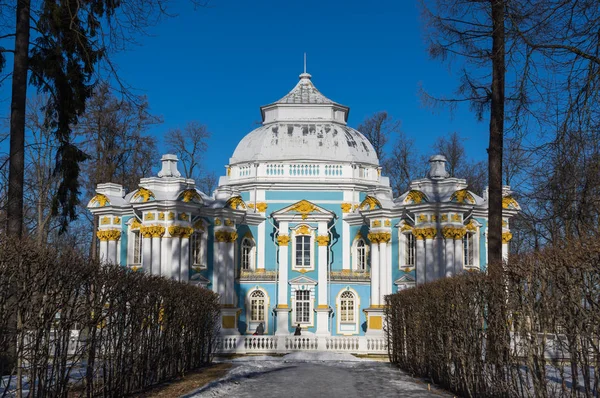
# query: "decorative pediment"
{"type": "Point", "coordinates": [302, 280]}
{"type": "Point", "coordinates": [199, 279]}
{"type": "Point", "coordinates": [190, 196]}
{"type": "Point", "coordinates": [100, 200]}
{"type": "Point", "coordinates": [462, 196]}
{"type": "Point", "coordinates": [415, 197]}
{"type": "Point", "coordinates": [370, 203]}
{"type": "Point", "coordinates": [404, 280]}
{"type": "Point", "coordinates": [508, 202]}
{"type": "Point", "coordinates": [142, 195]}
{"type": "Point", "coordinates": [236, 203]}
{"type": "Point", "coordinates": [304, 208]}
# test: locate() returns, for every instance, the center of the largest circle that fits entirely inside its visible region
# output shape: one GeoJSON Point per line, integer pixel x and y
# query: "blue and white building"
{"type": "Point", "coordinates": [303, 228]}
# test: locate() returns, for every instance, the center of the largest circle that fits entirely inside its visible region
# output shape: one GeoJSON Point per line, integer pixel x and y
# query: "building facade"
{"type": "Point", "coordinates": [303, 228]}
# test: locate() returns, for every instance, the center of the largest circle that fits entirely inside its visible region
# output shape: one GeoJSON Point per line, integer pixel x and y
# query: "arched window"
{"type": "Point", "coordinates": [257, 306]}
{"type": "Point", "coordinates": [468, 250]}
{"type": "Point", "coordinates": [247, 254]}
{"type": "Point", "coordinates": [361, 255]}
{"type": "Point", "coordinates": [347, 307]}
{"type": "Point", "coordinates": [136, 254]}
{"type": "Point", "coordinates": [196, 248]}
{"type": "Point", "coordinates": [409, 250]}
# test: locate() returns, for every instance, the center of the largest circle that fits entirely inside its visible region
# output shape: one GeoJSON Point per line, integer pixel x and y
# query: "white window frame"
{"type": "Point", "coordinates": [311, 236]}
{"type": "Point", "coordinates": [251, 266]}
{"type": "Point", "coordinates": [306, 309]}
{"type": "Point", "coordinates": [198, 242]}
{"type": "Point", "coordinates": [348, 327]}
{"type": "Point", "coordinates": [134, 235]}
{"type": "Point", "coordinates": [403, 238]}
{"type": "Point", "coordinates": [253, 324]}
{"type": "Point", "coordinates": [311, 301]}
{"type": "Point", "coordinates": [356, 266]}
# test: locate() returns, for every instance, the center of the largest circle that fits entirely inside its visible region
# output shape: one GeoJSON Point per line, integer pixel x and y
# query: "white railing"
{"type": "Point", "coordinates": [286, 344]}
{"type": "Point", "coordinates": [312, 171]}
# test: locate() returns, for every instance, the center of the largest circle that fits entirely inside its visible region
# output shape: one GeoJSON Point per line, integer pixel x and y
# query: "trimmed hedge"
{"type": "Point", "coordinates": [84, 328]}
{"type": "Point", "coordinates": [533, 332]}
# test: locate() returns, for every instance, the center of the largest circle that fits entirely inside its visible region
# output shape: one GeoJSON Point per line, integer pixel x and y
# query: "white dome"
{"type": "Point", "coordinates": [305, 125]}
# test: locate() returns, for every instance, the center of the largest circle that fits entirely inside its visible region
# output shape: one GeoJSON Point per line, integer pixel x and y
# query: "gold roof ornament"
{"type": "Point", "coordinates": [101, 200]}
{"type": "Point", "coordinates": [143, 193]}
{"type": "Point", "coordinates": [508, 202]}
{"type": "Point", "coordinates": [370, 203]}
{"type": "Point", "coordinates": [190, 195]}
{"type": "Point", "coordinates": [304, 207]}
{"type": "Point", "coordinates": [236, 203]}
{"type": "Point", "coordinates": [462, 196]}
{"type": "Point", "coordinates": [415, 197]}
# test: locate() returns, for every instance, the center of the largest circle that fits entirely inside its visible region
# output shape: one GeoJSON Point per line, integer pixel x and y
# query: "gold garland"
{"type": "Point", "coordinates": [379, 237]}
{"type": "Point", "coordinates": [101, 199]}
{"type": "Point", "coordinates": [425, 233]}
{"type": "Point", "coordinates": [283, 240]}
{"type": "Point", "coordinates": [108, 234]}
{"type": "Point", "coordinates": [454, 232]}
{"type": "Point", "coordinates": [177, 231]}
{"type": "Point", "coordinates": [322, 240]}
{"type": "Point", "coordinates": [226, 236]}
{"type": "Point", "coordinates": [152, 231]}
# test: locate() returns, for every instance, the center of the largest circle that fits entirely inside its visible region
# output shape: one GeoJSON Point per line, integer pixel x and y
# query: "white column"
{"type": "Point", "coordinates": [383, 276]}
{"type": "Point", "coordinates": [217, 270]}
{"type": "Point", "coordinates": [322, 301]}
{"type": "Point", "coordinates": [112, 251]}
{"type": "Point", "coordinates": [184, 268]}
{"type": "Point", "coordinates": [449, 258]}
{"type": "Point", "coordinates": [283, 310]}
{"type": "Point", "coordinates": [260, 246]}
{"type": "Point", "coordinates": [230, 272]}
{"type": "Point", "coordinates": [104, 250]}
{"type": "Point", "coordinates": [375, 290]}
{"type": "Point", "coordinates": [458, 255]}
{"type": "Point", "coordinates": [156, 254]}
{"type": "Point", "coordinates": [165, 256]}
{"type": "Point", "coordinates": [389, 271]}
{"type": "Point", "coordinates": [175, 257]}
{"type": "Point", "coordinates": [420, 260]}
{"type": "Point", "coordinates": [429, 260]}
{"type": "Point", "coordinates": [346, 246]}
{"type": "Point", "coordinates": [146, 252]}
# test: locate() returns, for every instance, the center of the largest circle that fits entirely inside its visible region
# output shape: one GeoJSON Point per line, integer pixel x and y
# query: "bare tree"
{"type": "Point", "coordinates": [401, 165]}
{"type": "Point", "coordinates": [189, 144]}
{"type": "Point", "coordinates": [378, 128]}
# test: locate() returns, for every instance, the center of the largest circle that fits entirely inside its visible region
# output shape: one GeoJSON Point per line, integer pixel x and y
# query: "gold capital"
{"type": "Point", "coordinates": [283, 240]}
{"type": "Point", "coordinates": [322, 240]}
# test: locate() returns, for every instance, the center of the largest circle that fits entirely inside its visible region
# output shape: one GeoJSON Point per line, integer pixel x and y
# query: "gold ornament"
{"type": "Point", "coordinates": [108, 234]}
{"type": "Point", "coordinates": [415, 197]}
{"type": "Point", "coordinates": [422, 218]}
{"type": "Point", "coordinates": [454, 232]}
{"type": "Point", "coordinates": [387, 223]}
{"type": "Point", "coordinates": [376, 223]}
{"type": "Point", "coordinates": [116, 220]}
{"type": "Point", "coordinates": [303, 230]}
{"type": "Point", "coordinates": [171, 216]}
{"type": "Point", "coordinates": [143, 193]}
{"type": "Point", "coordinates": [261, 207]}
{"type": "Point", "coordinates": [425, 233]}
{"type": "Point", "coordinates": [228, 222]}
{"type": "Point", "coordinates": [149, 216]}
{"type": "Point", "coordinates": [322, 240]}
{"type": "Point", "coordinates": [236, 203]}
{"type": "Point", "coordinates": [190, 195]}
{"type": "Point", "coordinates": [135, 224]}
{"type": "Point", "coordinates": [379, 237]}
{"type": "Point", "coordinates": [183, 217]}
{"type": "Point", "coordinates": [105, 220]}
{"type": "Point", "coordinates": [283, 240]}
{"type": "Point", "coordinates": [101, 199]}
{"type": "Point", "coordinates": [346, 207]}
{"type": "Point", "coordinates": [508, 202]}
{"type": "Point", "coordinates": [455, 217]}
{"type": "Point", "coordinates": [406, 227]}
{"type": "Point", "coordinates": [161, 216]}
{"type": "Point", "coordinates": [370, 203]}
{"type": "Point", "coordinates": [506, 237]}
{"type": "Point", "coordinates": [462, 196]}
{"type": "Point", "coordinates": [304, 207]}
{"type": "Point", "coordinates": [444, 217]}
{"type": "Point", "coordinates": [471, 226]}
{"type": "Point", "coordinates": [152, 231]}
{"type": "Point", "coordinates": [225, 236]}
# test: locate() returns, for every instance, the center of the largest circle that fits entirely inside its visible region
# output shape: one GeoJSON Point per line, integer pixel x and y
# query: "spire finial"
{"type": "Point", "coordinates": [304, 62]}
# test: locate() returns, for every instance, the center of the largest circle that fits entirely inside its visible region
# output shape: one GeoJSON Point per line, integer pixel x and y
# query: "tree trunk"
{"type": "Point", "coordinates": [17, 121]}
{"type": "Point", "coordinates": [496, 139]}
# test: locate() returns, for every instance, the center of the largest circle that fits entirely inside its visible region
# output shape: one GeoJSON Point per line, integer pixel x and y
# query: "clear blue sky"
{"type": "Point", "coordinates": [220, 63]}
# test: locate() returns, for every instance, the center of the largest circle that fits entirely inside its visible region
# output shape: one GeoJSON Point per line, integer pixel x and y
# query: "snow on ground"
{"type": "Point", "coordinates": [315, 373]}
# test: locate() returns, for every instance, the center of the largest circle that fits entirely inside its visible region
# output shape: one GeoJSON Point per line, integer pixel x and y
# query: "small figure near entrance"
{"type": "Point", "coordinates": [260, 329]}
{"type": "Point", "coordinates": [298, 331]}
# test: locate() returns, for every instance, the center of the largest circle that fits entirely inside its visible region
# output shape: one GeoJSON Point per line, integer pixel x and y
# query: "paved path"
{"type": "Point", "coordinates": [314, 379]}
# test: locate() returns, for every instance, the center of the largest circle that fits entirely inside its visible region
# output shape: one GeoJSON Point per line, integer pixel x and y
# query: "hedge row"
{"type": "Point", "coordinates": [533, 332]}
{"type": "Point", "coordinates": [82, 328]}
